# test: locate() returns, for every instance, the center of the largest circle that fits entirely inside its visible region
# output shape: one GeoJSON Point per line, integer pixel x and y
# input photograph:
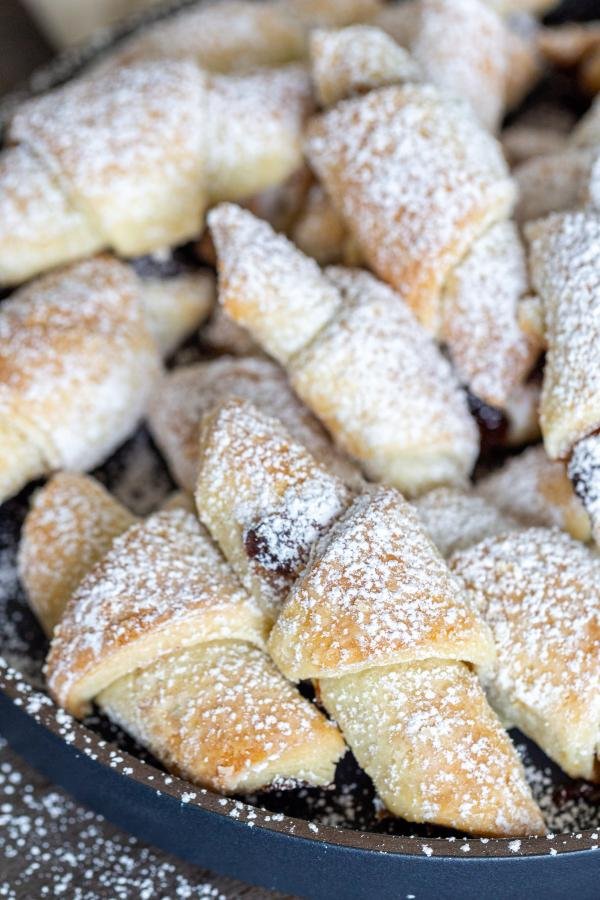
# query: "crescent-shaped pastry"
{"type": "Point", "coordinates": [564, 252]}
{"type": "Point", "coordinates": [230, 36]}
{"type": "Point", "coordinates": [536, 490]}
{"type": "Point", "coordinates": [345, 339]}
{"type": "Point", "coordinates": [69, 505]}
{"type": "Point", "coordinates": [138, 185]}
{"type": "Point", "coordinates": [318, 230]}
{"type": "Point", "coordinates": [378, 619]}
{"type": "Point", "coordinates": [457, 519]}
{"type": "Point", "coordinates": [175, 307]}
{"type": "Point", "coordinates": [538, 590]}
{"type": "Point", "coordinates": [480, 324]}
{"type": "Point", "coordinates": [161, 587]}
{"type": "Point", "coordinates": [77, 368]}
{"type": "Point", "coordinates": [187, 393]}
{"type": "Point", "coordinates": [221, 335]}
{"type": "Point", "coordinates": [253, 130]}
{"type": "Point", "coordinates": [416, 179]}
{"type": "Point", "coordinates": [479, 73]}
{"type": "Point", "coordinates": [129, 159]}
{"type": "Point", "coordinates": [555, 182]}
{"type": "Point", "coordinates": [356, 59]}
{"type": "Point", "coordinates": [263, 497]}
{"type": "Point", "coordinates": [218, 713]}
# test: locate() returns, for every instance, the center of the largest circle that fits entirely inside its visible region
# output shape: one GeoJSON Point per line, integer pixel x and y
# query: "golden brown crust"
{"type": "Point", "coordinates": [71, 525]}
{"type": "Point", "coordinates": [222, 716]}
{"type": "Point", "coordinates": [141, 186]}
{"type": "Point", "coordinates": [536, 491]}
{"type": "Point", "coordinates": [263, 497]}
{"type": "Point", "coordinates": [538, 590]}
{"type": "Point", "coordinates": [161, 587]}
{"type": "Point", "coordinates": [416, 180]}
{"type": "Point", "coordinates": [456, 767]}
{"type": "Point", "coordinates": [74, 348]}
{"type": "Point", "coordinates": [419, 433]}
{"type": "Point", "coordinates": [375, 593]}
{"type": "Point", "coordinates": [188, 393]}
{"type": "Point", "coordinates": [564, 271]}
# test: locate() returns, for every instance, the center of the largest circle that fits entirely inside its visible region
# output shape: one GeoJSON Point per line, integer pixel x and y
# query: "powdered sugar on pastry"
{"type": "Point", "coordinates": [376, 592]}
{"type": "Point", "coordinates": [162, 586]}
{"type": "Point", "coordinates": [564, 267]}
{"type": "Point", "coordinates": [489, 350]}
{"type": "Point", "coordinates": [418, 433]}
{"type": "Point", "coordinates": [77, 364]}
{"type": "Point", "coordinates": [128, 150]}
{"type": "Point", "coordinates": [456, 519]}
{"type": "Point", "coordinates": [187, 393]}
{"type": "Point", "coordinates": [354, 60]}
{"type": "Point", "coordinates": [266, 285]}
{"type": "Point", "coordinates": [536, 491]}
{"type": "Point", "coordinates": [477, 72]}
{"type": "Point", "coordinates": [416, 179]}
{"type": "Point", "coordinates": [538, 590]}
{"type": "Point", "coordinates": [263, 497]}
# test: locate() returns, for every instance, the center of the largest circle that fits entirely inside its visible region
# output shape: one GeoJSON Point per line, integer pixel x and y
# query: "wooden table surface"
{"type": "Point", "coordinates": [49, 845]}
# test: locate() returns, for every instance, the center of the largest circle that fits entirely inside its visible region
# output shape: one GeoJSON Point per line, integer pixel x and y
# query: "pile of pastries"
{"type": "Point", "coordinates": [404, 290]}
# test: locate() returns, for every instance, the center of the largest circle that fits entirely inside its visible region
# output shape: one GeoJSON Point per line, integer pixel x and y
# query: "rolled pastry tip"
{"type": "Point", "coordinates": [198, 711]}
{"type": "Point", "coordinates": [538, 590]}
{"type": "Point", "coordinates": [416, 179]}
{"type": "Point", "coordinates": [187, 393]}
{"type": "Point", "coordinates": [75, 349]}
{"type": "Point", "coordinates": [70, 526]}
{"type": "Point", "coordinates": [128, 150]}
{"type": "Point", "coordinates": [253, 130]}
{"type": "Point", "coordinates": [536, 490]}
{"type": "Point", "coordinates": [263, 497]}
{"type": "Point", "coordinates": [176, 307]}
{"type": "Point", "coordinates": [563, 263]}
{"type": "Point", "coordinates": [346, 338]}
{"type": "Point", "coordinates": [385, 629]}
{"type": "Point", "coordinates": [355, 60]}
{"type": "Point", "coordinates": [491, 352]}
{"type": "Point", "coordinates": [479, 73]}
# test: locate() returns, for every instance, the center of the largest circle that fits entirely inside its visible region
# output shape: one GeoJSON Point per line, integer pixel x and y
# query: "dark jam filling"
{"type": "Point", "coordinates": [584, 471]}
{"type": "Point", "coordinates": [170, 264]}
{"type": "Point", "coordinates": [492, 422]}
{"type": "Point", "coordinates": [276, 545]}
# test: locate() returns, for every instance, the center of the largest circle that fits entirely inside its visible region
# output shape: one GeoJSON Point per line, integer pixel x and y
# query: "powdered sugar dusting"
{"type": "Point", "coordinates": [415, 178]}
{"type": "Point", "coordinates": [538, 590]}
{"type": "Point", "coordinates": [376, 592]}
{"type": "Point", "coordinates": [565, 249]}
{"type": "Point", "coordinates": [263, 497]}
{"type": "Point", "coordinates": [457, 519]}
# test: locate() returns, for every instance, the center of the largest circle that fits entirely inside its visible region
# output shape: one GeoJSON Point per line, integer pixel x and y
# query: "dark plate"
{"type": "Point", "coordinates": [309, 842]}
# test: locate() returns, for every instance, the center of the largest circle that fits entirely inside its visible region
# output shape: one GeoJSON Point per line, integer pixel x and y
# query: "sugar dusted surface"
{"type": "Point", "coordinates": [74, 348]}
{"type": "Point", "coordinates": [415, 178]}
{"type": "Point", "coordinates": [159, 574]}
{"type": "Point", "coordinates": [457, 519]}
{"type": "Point", "coordinates": [263, 497]}
{"type": "Point", "coordinates": [376, 592]}
{"type": "Point", "coordinates": [564, 253]}
{"type": "Point", "coordinates": [384, 390]}
{"type": "Point", "coordinates": [538, 590]}
{"type": "Point", "coordinates": [480, 325]}
{"type": "Point", "coordinates": [536, 491]}
{"type": "Point", "coordinates": [267, 285]}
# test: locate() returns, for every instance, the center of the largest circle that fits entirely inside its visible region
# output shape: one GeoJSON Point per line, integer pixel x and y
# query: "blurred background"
{"type": "Point", "coordinates": [31, 31]}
